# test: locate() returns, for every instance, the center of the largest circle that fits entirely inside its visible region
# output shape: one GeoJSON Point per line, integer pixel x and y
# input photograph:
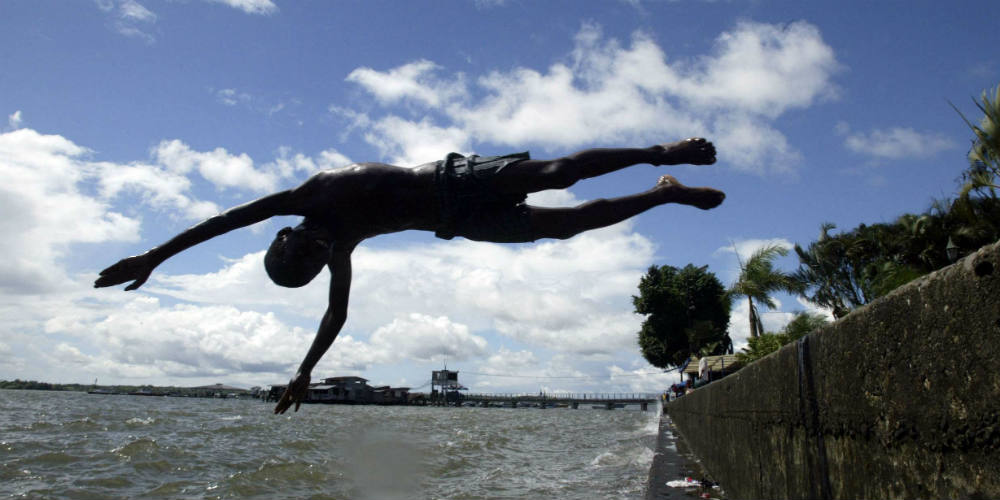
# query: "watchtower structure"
{"type": "Point", "coordinates": [447, 382]}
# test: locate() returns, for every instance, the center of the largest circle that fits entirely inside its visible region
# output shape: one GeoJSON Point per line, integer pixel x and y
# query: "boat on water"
{"type": "Point", "coordinates": [102, 391]}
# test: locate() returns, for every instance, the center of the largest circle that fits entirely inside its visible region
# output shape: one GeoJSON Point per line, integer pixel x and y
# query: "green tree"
{"type": "Point", "coordinates": [802, 324]}
{"type": "Point", "coordinates": [971, 222]}
{"type": "Point", "coordinates": [687, 310]}
{"type": "Point", "coordinates": [839, 271]}
{"type": "Point", "coordinates": [758, 347]}
{"type": "Point", "coordinates": [983, 174]}
{"type": "Point", "coordinates": [759, 280]}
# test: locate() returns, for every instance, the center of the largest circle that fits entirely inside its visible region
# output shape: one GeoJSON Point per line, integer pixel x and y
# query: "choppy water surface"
{"type": "Point", "coordinates": [75, 445]}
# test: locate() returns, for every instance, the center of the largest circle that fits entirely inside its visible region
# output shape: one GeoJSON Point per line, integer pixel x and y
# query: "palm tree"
{"type": "Point", "coordinates": [759, 280]}
{"type": "Point", "coordinates": [983, 175]}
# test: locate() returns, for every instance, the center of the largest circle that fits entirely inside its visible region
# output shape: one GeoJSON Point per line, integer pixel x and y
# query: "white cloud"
{"type": "Point", "coordinates": [46, 201]}
{"type": "Point", "coordinates": [523, 371]}
{"type": "Point", "coordinates": [289, 164]}
{"type": "Point", "coordinates": [331, 158]}
{"type": "Point", "coordinates": [232, 97]}
{"type": "Point", "coordinates": [407, 142]}
{"type": "Point", "coordinates": [605, 92]}
{"type": "Point", "coordinates": [413, 81]}
{"type": "Point", "coordinates": [158, 188]}
{"type": "Point", "coordinates": [14, 120]}
{"type": "Point", "coordinates": [487, 4]}
{"type": "Point", "coordinates": [131, 18]}
{"type": "Point", "coordinates": [644, 379]}
{"type": "Point", "coordinates": [260, 7]}
{"type": "Point", "coordinates": [134, 11]}
{"type": "Point", "coordinates": [226, 170]}
{"type": "Point", "coordinates": [43, 207]}
{"type": "Point", "coordinates": [425, 338]}
{"type": "Point", "coordinates": [187, 340]}
{"type": "Point", "coordinates": [568, 296]}
{"type": "Point", "coordinates": [217, 166]}
{"type": "Point", "coordinates": [749, 141]}
{"type": "Point", "coordinates": [817, 309]}
{"type": "Point", "coordinates": [897, 143]}
{"type": "Point", "coordinates": [739, 321]}
{"type": "Point", "coordinates": [9, 360]}
{"type": "Point", "coordinates": [764, 69]}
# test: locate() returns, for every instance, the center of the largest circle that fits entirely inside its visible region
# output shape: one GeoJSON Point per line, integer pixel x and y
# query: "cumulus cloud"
{"type": "Point", "coordinates": [522, 370]}
{"type": "Point", "coordinates": [763, 69]}
{"type": "Point", "coordinates": [217, 166]}
{"type": "Point", "coordinates": [898, 143]}
{"type": "Point", "coordinates": [42, 203]}
{"type": "Point", "coordinates": [568, 296]}
{"type": "Point", "coordinates": [238, 171]}
{"type": "Point", "coordinates": [414, 81]}
{"type": "Point", "coordinates": [408, 142]}
{"type": "Point", "coordinates": [290, 164]}
{"type": "Point", "coordinates": [424, 338]}
{"type": "Point", "coordinates": [143, 338]}
{"type": "Point", "coordinates": [186, 341]}
{"type": "Point", "coordinates": [158, 188]}
{"type": "Point", "coordinates": [604, 91]}
{"type": "Point", "coordinates": [55, 196]}
{"type": "Point", "coordinates": [643, 379]}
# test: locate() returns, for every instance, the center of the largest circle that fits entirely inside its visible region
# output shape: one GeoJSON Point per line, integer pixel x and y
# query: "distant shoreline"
{"type": "Point", "coordinates": [132, 390]}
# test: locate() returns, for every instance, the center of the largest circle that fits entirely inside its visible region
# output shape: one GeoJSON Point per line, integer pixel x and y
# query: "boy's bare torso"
{"type": "Point", "coordinates": [367, 199]}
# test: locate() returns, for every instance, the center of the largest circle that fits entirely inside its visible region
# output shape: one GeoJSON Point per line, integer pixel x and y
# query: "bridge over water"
{"type": "Point", "coordinates": [608, 401]}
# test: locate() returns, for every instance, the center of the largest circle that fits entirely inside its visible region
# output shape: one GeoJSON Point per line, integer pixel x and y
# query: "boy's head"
{"type": "Point", "coordinates": [297, 254]}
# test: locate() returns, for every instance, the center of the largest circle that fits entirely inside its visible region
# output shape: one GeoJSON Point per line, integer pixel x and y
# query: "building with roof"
{"type": "Point", "coordinates": [217, 391]}
{"type": "Point", "coordinates": [703, 370]}
{"type": "Point", "coordinates": [348, 390]}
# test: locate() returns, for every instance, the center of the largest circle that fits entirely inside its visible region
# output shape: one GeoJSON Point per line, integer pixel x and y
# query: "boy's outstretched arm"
{"type": "Point", "coordinates": [138, 267]}
{"type": "Point", "coordinates": [329, 328]}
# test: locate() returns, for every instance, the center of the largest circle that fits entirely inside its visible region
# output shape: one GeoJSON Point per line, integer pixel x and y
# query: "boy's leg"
{"type": "Point", "coordinates": [530, 176]}
{"type": "Point", "coordinates": [564, 223]}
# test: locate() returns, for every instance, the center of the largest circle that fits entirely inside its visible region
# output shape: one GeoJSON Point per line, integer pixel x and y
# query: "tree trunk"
{"type": "Point", "coordinates": [754, 320]}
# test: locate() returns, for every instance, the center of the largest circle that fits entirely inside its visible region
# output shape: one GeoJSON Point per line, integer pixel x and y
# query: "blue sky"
{"type": "Point", "coordinates": [130, 120]}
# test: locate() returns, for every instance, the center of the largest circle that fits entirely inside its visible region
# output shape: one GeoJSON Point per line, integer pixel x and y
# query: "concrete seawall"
{"type": "Point", "coordinates": [900, 399]}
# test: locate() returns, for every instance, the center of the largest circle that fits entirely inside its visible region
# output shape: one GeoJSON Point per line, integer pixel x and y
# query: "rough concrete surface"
{"type": "Point", "coordinates": [674, 461]}
{"type": "Point", "coordinates": [900, 399]}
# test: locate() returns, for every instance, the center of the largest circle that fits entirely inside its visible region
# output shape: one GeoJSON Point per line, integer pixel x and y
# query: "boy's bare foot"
{"type": "Point", "coordinates": [694, 151]}
{"type": "Point", "coordinates": [701, 197]}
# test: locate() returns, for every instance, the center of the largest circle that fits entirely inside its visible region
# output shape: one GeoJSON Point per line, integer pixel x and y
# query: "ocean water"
{"type": "Point", "coordinates": [75, 445]}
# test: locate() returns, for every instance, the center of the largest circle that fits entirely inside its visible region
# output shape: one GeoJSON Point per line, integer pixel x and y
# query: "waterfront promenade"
{"type": "Point", "coordinates": [674, 461]}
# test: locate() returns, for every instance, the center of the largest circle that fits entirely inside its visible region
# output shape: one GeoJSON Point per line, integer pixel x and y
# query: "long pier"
{"type": "Point", "coordinates": [608, 401]}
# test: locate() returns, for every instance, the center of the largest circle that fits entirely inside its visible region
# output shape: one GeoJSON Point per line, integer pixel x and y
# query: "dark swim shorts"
{"type": "Point", "coordinates": [472, 209]}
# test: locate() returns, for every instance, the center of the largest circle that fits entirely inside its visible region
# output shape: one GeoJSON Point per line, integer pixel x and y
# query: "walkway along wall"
{"type": "Point", "coordinates": [900, 399]}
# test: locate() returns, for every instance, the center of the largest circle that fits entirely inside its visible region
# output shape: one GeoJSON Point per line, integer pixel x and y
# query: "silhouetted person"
{"type": "Point", "coordinates": [479, 198]}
